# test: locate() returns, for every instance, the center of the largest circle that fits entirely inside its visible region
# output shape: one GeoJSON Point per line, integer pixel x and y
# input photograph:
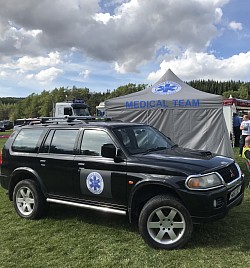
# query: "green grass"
{"type": "Point", "coordinates": [71, 237]}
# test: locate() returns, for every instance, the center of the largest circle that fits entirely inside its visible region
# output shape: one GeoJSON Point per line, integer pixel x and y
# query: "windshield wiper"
{"type": "Point", "coordinates": [175, 145]}
{"type": "Point", "coordinates": [154, 149]}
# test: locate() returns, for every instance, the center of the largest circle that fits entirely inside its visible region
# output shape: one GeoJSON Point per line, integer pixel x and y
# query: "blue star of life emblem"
{"type": "Point", "coordinates": [167, 87]}
{"type": "Point", "coordinates": [95, 183]}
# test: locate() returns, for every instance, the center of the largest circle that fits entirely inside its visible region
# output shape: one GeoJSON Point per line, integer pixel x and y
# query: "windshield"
{"type": "Point", "coordinates": [81, 111]}
{"type": "Point", "coordinates": [142, 139]}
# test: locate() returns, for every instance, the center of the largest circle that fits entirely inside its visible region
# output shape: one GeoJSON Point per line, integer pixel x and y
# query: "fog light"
{"type": "Point", "coordinates": [218, 202]}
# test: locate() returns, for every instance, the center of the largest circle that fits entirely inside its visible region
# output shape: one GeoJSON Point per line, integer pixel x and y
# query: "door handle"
{"type": "Point", "coordinates": [80, 166]}
{"type": "Point", "coordinates": [42, 162]}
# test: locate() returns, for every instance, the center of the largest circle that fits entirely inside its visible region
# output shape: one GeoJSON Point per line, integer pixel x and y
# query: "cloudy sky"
{"type": "Point", "coordinates": [103, 44]}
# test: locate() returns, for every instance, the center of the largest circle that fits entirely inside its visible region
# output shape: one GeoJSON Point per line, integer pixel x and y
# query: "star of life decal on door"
{"type": "Point", "coordinates": [95, 183]}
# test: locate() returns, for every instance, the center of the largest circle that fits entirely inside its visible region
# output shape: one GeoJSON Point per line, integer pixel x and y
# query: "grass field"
{"type": "Point", "coordinates": [71, 237]}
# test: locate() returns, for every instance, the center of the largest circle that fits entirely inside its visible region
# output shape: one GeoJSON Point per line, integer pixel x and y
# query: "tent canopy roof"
{"type": "Point", "coordinates": [170, 89]}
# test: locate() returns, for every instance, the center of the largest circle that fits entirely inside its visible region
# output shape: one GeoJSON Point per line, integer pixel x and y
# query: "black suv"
{"type": "Point", "coordinates": [117, 167]}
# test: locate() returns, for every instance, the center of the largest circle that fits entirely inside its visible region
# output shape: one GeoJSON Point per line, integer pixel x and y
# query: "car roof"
{"type": "Point", "coordinates": [81, 124]}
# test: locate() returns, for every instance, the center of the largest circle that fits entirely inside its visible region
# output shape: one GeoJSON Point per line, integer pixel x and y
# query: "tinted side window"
{"type": "Point", "coordinates": [93, 140]}
{"type": "Point", "coordinates": [27, 140]}
{"type": "Point", "coordinates": [63, 141]}
{"type": "Point", "coordinates": [46, 146]}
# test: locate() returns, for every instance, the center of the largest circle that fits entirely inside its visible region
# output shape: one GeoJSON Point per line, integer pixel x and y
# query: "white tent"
{"type": "Point", "coordinates": [191, 118]}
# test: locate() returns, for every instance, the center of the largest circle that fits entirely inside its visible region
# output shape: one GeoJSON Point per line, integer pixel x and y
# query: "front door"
{"type": "Point", "coordinates": [99, 179]}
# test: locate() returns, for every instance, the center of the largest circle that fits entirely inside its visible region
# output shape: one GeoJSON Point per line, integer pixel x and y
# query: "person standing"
{"type": "Point", "coordinates": [236, 129]}
{"type": "Point", "coordinates": [246, 153]}
{"type": "Point", "coordinates": [246, 149]}
{"type": "Point", "coordinates": [245, 128]}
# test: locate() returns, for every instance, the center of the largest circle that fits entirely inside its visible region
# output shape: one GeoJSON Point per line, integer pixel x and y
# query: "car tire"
{"type": "Point", "coordinates": [29, 201]}
{"type": "Point", "coordinates": [164, 223]}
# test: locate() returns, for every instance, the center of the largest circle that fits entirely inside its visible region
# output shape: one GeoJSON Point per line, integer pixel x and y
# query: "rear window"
{"type": "Point", "coordinates": [27, 140]}
{"type": "Point", "coordinates": [60, 141]}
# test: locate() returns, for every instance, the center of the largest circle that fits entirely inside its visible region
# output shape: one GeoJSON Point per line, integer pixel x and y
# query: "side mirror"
{"type": "Point", "coordinates": [108, 150]}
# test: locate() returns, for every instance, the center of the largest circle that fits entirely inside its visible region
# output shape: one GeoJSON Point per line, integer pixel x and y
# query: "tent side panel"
{"type": "Point", "coordinates": [203, 129]}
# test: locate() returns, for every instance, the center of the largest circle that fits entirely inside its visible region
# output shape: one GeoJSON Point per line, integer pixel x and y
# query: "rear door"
{"type": "Point", "coordinates": [99, 179]}
{"type": "Point", "coordinates": [56, 161]}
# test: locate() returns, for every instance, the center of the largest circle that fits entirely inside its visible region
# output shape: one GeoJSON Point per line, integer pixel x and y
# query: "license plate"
{"type": "Point", "coordinates": [235, 192]}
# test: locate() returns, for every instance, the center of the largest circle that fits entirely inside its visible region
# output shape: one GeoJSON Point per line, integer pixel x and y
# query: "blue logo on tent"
{"type": "Point", "coordinates": [167, 87]}
{"type": "Point", "coordinates": [95, 183]}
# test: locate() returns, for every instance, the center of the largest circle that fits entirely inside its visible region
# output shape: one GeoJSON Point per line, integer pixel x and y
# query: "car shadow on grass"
{"type": "Point", "coordinates": [230, 232]}
{"type": "Point", "coordinates": [88, 216]}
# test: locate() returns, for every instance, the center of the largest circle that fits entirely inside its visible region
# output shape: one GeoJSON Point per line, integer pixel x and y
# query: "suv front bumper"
{"type": "Point", "coordinates": [207, 206]}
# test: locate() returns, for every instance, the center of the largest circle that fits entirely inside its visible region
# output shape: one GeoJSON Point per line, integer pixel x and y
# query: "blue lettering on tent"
{"type": "Point", "coordinates": [186, 103]}
{"type": "Point", "coordinates": [161, 103]}
{"type": "Point", "coordinates": [136, 104]}
{"type": "Point", "coordinates": [181, 103]}
{"type": "Point", "coordinates": [129, 104]}
{"type": "Point", "coordinates": [143, 104]}
{"type": "Point", "coordinates": [152, 103]}
{"type": "Point", "coordinates": [196, 103]}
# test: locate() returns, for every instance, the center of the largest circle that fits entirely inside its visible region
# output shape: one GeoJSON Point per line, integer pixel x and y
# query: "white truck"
{"type": "Point", "coordinates": [75, 107]}
{"type": "Point", "coordinates": [100, 109]}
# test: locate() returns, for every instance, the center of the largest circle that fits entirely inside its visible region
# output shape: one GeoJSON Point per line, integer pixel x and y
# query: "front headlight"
{"type": "Point", "coordinates": [203, 182]}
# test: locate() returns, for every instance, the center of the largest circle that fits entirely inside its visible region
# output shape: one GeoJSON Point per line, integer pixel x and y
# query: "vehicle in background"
{"type": "Point", "coordinates": [2, 128]}
{"type": "Point", "coordinates": [100, 109]}
{"type": "Point", "coordinates": [76, 107]}
{"type": "Point", "coordinates": [7, 124]}
{"type": "Point", "coordinates": [25, 121]}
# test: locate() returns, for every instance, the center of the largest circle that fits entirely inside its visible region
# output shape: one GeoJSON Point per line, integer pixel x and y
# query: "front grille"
{"type": "Point", "coordinates": [229, 173]}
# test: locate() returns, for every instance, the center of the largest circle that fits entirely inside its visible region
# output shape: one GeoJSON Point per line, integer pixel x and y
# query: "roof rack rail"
{"type": "Point", "coordinates": [89, 118]}
{"type": "Point", "coordinates": [73, 119]}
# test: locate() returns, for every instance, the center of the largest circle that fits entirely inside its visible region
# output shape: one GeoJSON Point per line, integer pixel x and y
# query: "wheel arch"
{"type": "Point", "coordinates": [23, 173]}
{"type": "Point", "coordinates": [143, 193]}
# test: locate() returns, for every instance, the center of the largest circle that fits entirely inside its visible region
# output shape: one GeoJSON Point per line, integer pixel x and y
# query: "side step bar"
{"type": "Point", "coordinates": [103, 209]}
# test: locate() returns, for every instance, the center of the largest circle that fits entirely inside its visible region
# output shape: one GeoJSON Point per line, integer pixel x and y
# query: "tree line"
{"type": "Point", "coordinates": [38, 105]}
{"type": "Point", "coordinates": [237, 89]}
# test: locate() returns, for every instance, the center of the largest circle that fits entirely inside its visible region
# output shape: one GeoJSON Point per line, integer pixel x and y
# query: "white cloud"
{"type": "Point", "coordinates": [29, 76]}
{"type": "Point", "coordinates": [34, 33]}
{"type": "Point", "coordinates": [15, 38]}
{"type": "Point", "coordinates": [3, 74]}
{"type": "Point", "coordinates": [48, 75]}
{"type": "Point", "coordinates": [85, 74]}
{"type": "Point", "coordinates": [31, 63]}
{"type": "Point", "coordinates": [39, 42]}
{"type": "Point", "coordinates": [105, 17]}
{"type": "Point", "coordinates": [218, 15]}
{"type": "Point", "coordinates": [236, 26]}
{"type": "Point", "coordinates": [192, 66]}
{"type": "Point", "coordinates": [129, 37]}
